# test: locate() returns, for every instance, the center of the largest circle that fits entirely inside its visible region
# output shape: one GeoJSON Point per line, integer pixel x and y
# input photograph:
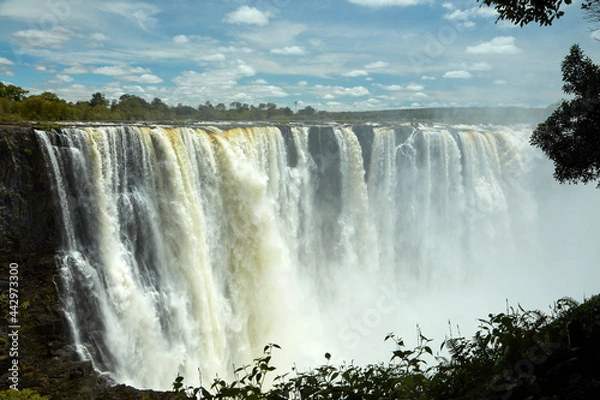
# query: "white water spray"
{"type": "Point", "coordinates": [189, 248]}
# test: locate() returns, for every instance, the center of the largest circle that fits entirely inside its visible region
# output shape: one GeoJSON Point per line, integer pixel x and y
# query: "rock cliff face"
{"type": "Point", "coordinates": [27, 213]}
{"type": "Point", "coordinates": [29, 239]}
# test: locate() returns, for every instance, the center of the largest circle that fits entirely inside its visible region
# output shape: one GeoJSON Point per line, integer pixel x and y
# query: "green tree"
{"type": "Point", "coordinates": [133, 107]}
{"type": "Point", "coordinates": [522, 12]}
{"type": "Point", "coordinates": [98, 99]}
{"type": "Point", "coordinates": [308, 110]}
{"type": "Point", "coordinates": [14, 93]}
{"type": "Point", "coordinates": [570, 137]}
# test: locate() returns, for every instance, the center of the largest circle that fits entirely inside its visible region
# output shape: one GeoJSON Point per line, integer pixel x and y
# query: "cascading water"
{"type": "Point", "coordinates": [189, 248]}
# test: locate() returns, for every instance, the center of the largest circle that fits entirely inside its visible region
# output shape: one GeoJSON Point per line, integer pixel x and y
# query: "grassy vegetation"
{"type": "Point", "coordinates": [514, 355]}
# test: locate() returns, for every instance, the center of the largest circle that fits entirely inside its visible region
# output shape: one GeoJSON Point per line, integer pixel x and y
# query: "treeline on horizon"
{"type": "Point", "coordinates": [17, 106]}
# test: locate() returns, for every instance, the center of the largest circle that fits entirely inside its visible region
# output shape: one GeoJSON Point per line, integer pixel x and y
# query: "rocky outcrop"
{"type": "Point", "coordinates": [27, 213]}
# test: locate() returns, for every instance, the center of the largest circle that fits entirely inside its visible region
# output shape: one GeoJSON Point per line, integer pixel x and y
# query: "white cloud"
{"type": "Point", "coordinates": [211, 57]}
{"type": "Point", "coordinates": [223, 85]}
{"type": "Point", "coordinates": [181, 39]}
{"type": "Point", "coordinates": [99, 37]}
{"type": "Point", "coordinates": [457, 74]}
{"type": "Point", "coordinates": [415, 87]}
{"type": "Point", "coordinates": [498, 45]}
{"type": "Point", "coordinates": [54, 38]}
{"type": "Point", "coordinates": [245, 69]}
{"type": "Point", "coordinates": [61, 78]}
{"type": "Point", "coordinates": [356, 73]}
{"type": "Point", "coordinates": [474, 12]}
{"type": "Point", "coordinates": [393, 88]}
{"type": "Point", "coordinates": [277, 34]}
{"type": "Point", "coordinates": [480, 66]}
{"type": "Point", "coordinates": [142, 14]}
{"type": "Point", "coordinates": [119, 70]}
{"type": "Point", "coordinates": [248, 15]}
{"type": "Point", "coordinates": [6, 67]}
{"type": "Point", "coordinates": [377, 65]}
{"type": "Point", "coordinates": [302, 83]}
{"type": "Point", "coordinates": [125, 73]}
{"type": "Point", "coordinates": [387, 3]}
{"type": "Point", "coordinates": [355, 91]}
{"type": "Point", "coordinates": [417, 96]}
{"type": "Point", "coordinates": [77, 69]}
{"type": "Point", "coordinates": [145, 78]}
{"type": "Point", "coordinates": [290, 50]}
{"type": "Point", "coordinates": [428, 78]}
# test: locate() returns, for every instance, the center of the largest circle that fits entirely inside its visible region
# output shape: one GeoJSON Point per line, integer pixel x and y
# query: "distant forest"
{"type": "Point", "coordinates": [17, 106]}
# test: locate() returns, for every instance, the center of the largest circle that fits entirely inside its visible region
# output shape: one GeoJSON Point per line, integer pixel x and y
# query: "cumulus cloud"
{"type": "Point", "coordinates": [289, 51]}
{"type": "Point", "coordinates": [356, 73]}
{"type": "Point", "coordinates": [387, 3]}
{"type": "Point", "coordinates": [223, 84]}
{"type": "Point", "coordinates": [127, 73]}
{"type": "Point", "coordinates": [342, 91]}
{"type": "Point", "coordinates": [392, 88]}
{"type": "Point", "coordinates": [119, 70]}
{"type": "Point", "coordinates": [61, 78]}
{"type": "Point", "coordinates": [480, 66]}
{"type": "Point", "coordinates": [498, 45]}
{"type": "Point", "coordinates": [414, 87]}
{"type": "Point", "coordinates": [76, 69]}
{"type": "Point", "coordinates": [355, 91]}
{"type": "Point", "coordinates": [418, 96]}
{"type": "Point", "coordinates": [181, 39]}
{"type": "Point", "coordinates": [474, 12]}
{"type": "Point", "coordinates": [428, 78]}
{"type": "Point", "coordinates": [6, 67]}
{"type": "Point", "coordinates": [248, 15]}
{"type": "Point", "coordinates": [99, 37]}
{"type": "Point", "coordinates": [145, 78]}
{"type": "Point", "coordinates": [457, 74]}
{"type": "Point", "coordinates": [377, 65]}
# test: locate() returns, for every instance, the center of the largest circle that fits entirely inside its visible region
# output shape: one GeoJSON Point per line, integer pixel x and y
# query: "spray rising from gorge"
{"type": "Point", "coordinates": [193, 247]}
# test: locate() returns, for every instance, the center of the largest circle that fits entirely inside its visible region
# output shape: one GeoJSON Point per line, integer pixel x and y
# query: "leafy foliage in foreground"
{"type": "Point", "coordinates": [514, 355]}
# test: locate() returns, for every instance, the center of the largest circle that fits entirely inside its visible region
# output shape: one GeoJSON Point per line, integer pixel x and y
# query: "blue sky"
{"type": "Point", "coordinates": [333, 55]}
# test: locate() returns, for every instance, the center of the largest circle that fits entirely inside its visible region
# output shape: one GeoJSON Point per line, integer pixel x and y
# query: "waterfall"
{"type": "Point", "coordinates": [189, 248]}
